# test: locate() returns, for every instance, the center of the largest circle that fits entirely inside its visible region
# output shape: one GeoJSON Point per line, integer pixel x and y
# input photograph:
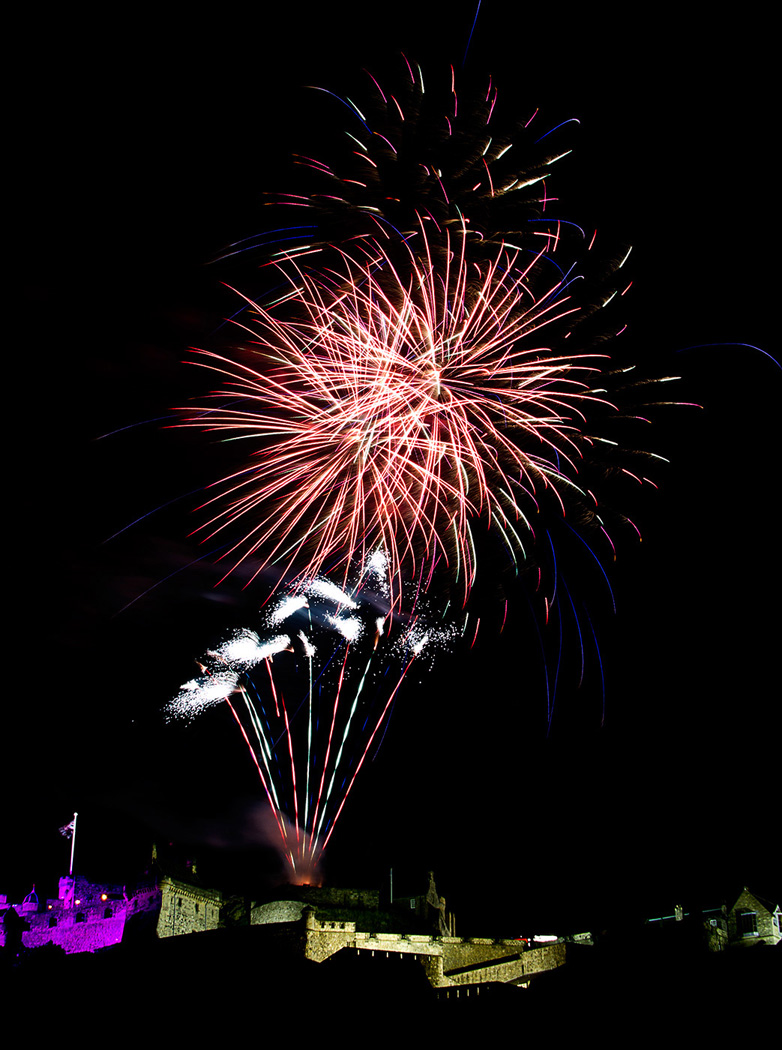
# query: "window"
{"type": "Point", "coordinates": [748, 923]}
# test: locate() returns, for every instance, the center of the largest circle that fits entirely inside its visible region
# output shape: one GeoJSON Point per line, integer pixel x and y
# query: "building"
{"type": "Point", "coordinates": [748, 921]}
{"type": "Point", "coordinates": [752, 921]}
{"type": "Point", "coordinates": [329, 921]}
{"type": "Point", "coordinates": [90, 916]}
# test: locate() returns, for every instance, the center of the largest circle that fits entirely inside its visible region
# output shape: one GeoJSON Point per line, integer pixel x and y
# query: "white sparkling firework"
{"type": "Point", "coordinates": [287, 607]}
{"type": "Point", "coordinates": [423, 636]}
{"type": "Point", "coordinates": [309, 648]}
{"type": "Point", "coordinates": [348, 626]}
{"type": "Point", "coordinates": [199, 694]}
{"type": "Point", "coordinates": [376, 570]}
{"type": "Point", "coordinates": [326, 589]}
{"type": "Point", "coordinates": [244, 649]}
{"type": "Point", "coordinates": [309, 720]}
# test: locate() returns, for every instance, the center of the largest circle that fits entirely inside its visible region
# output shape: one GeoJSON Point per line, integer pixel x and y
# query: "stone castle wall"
{"type": "Point", "coordinates": [186, 909]}
{"type": "Point", "coordinates": [90, 916]}
{"type": "Point", "coordinates": [447, 961]}
{"type": "Point", "coordinates": [80, 930]}
{"type": "Point", "coordinates": [86, 917]}
{"type": "Point", "coordinates": [338, 897]}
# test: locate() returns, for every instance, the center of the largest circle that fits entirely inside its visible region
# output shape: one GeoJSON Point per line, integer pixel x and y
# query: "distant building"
{"type": "Point", "coordinates": [749, 921]}
{"type": "Point", "coordinates": [753, 921]}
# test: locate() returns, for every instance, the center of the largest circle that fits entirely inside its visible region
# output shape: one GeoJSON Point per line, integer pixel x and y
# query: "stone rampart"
{"type": "Point", "coordinates": [447, 961]}
{"type": "Point", "coordinates": [459, 952]}
{"type": "Point", "coordinates": [325, 938]}
{"type": "Point", "coordinates": [87, 935]}
{"type": "Point", "coordinates": [518, 968]}
{"type": "Point", "coordinates": [399, 943]}
{"type": "Point", "coordinates": [186, 909]}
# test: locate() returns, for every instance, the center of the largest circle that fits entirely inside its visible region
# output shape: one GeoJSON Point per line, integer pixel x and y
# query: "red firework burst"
{"type": "Point", "coordinates": [395, 412]}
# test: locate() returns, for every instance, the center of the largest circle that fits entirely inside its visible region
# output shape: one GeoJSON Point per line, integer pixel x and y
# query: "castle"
{"type": "Point", "coordinates": [322, 922]}
{"type": "Point", "coordinates": [90, 917]}
{"type": "Point", "coordinates": [418, 928]}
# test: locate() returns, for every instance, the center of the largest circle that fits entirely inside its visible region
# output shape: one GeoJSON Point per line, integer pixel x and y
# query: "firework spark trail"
{"type": "Point", "coordinates": [338, 759]}
{"type": "Point", "coordinates": [317, 745]}
{"type": "Point", "coordinates": [267, 784]}
{"type": "Point", "coordinates": [408, 382]}
{"type": "Point", "coordinates": [401, 395]}
{"type": "Point", "coordinates": [395, 413]}
{"type": "Point", "coordinates": [360, 763]}
{"type": "Point", "coordinates": [414, 159]}
{"type": "Point", "coordinates": [337, 696]}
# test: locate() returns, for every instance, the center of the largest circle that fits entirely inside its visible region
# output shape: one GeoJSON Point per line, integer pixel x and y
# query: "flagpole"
{"type": "Point", "coordinates": [73, 843]}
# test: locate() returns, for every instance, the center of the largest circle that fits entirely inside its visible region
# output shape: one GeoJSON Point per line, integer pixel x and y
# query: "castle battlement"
{"type": "Point", "coordinates": [448, 961]}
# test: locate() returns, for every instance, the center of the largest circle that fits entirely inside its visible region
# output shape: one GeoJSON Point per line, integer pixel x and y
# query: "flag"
{"type": "Point", "coordinates": [68, 829]}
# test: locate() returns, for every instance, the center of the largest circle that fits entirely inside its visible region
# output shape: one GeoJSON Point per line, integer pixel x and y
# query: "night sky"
{"type": "Point", "coordinates": [139, 158]}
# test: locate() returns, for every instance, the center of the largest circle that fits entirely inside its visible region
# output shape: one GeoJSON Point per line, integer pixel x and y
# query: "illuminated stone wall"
{"type": "Point", "coordinates": [186, 909]}
{"type": "Point", "coordinates": [447, 961]}
{"type": "Point", "coordinates": [89, 916]}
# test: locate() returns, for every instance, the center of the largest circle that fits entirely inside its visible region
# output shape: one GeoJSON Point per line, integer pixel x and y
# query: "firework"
{"type": "Point", "coordinates": [431, 368]}
{"type": "Point", "coordinates": [395, 412]}
{"type": "Point", "coordinates": [413, 153]}
{"type": "Point", "coordinates": [424, 380]}
{"type": "Point", "coordinates": [310, 690]}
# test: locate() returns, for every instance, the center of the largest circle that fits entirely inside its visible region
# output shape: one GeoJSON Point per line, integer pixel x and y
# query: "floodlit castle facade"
{"type": "Point", "coordinates": [89, 916]}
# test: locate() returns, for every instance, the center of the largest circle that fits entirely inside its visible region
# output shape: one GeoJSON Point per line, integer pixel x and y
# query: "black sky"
{"type": "Point", "coordinates": [140, 155]}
